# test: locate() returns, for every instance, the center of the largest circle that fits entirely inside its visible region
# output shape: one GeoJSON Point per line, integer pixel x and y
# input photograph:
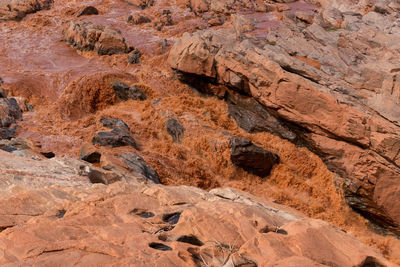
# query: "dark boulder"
{"type": "Point", "coordinates": [3, 93]}
{"type": "Point", "coordinates": [252, 117]}
{"type": "Point", "coordinates": [175, 130]}
{"type": "Point", "coordinates": [114, 123]}
{"type": "Point", "coordinates": [89, 10]}
{"type": "Point", "coordinates": [124, 92]}
{"type": "Point", "coordinates": [9, 112]}
{"type": "Point", "coordinates": [137, 165]}
{"type": "Point", "coordinates": [134, 57]}
{"type": "Point", "coordinates": [115, 138]}
{"type": "Point", "coordinates": [7, 133]}
{"type": "Point", "coordinates": [252, 158]}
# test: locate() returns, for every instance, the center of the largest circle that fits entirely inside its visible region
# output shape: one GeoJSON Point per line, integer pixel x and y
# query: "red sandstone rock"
{"type": "Point", "coordinates": [17, 9]}
{"type": "Point", "coordinates": [359, 145]}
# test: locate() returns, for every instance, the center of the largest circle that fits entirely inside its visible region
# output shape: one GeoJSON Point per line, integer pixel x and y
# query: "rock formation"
{"type": "Point", "coordinates": [199, 133]}
{"type": "Point", "coordinates": [322, 87]}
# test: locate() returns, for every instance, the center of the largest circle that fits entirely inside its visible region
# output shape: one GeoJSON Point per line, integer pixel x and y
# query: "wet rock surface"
{"type": "Point", "coordinates": [77, 220]}
{"type": "Point", "coordinates": [314, 82]}
{"type": "Point", "coordinates": [87, 36]}
{"type": "Point", "coordinates": [333, 99]}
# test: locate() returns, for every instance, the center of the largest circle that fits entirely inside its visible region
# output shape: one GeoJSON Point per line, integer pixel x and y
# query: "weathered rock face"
{"type": "Point", "coordinates": [57, 210]}
{"type": "Point", "coordinates": [325, 83]}
{"type": "Point", "coordinates": [88, 225]}
{"type": "Point", "coordinates": [87, 36]}
{"type": "Point", "coordinates": [18, 9]}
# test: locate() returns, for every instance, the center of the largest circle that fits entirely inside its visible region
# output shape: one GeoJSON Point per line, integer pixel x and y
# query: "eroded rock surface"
{"type": "Point", "coordinates": [18, 9]}
{"type": "Point", "coordinates": [286, 75]}
{"type": "Point", "coordinates": [89, 226]}
{"type": "Point", "coordinates": [325, 83]}
{"type": "Point", "coordinates": [87, 36]}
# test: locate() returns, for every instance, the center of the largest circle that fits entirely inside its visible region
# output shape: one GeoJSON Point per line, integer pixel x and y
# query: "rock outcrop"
{"type": "Point", "coordinates": [323, 85]}
{"type": "Point", "coordinates": [87, 36]}
{"type": "Point", "coordinates": [172, 226]}
{"type": "Point", "coordinates": [304, 80]}
{"type": "Point", "coordinates": [18, 9]}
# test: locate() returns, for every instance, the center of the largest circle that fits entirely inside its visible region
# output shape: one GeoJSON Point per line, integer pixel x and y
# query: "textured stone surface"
{"type": "Point", "coordinates": [18, 9]}
{"type": "Point", "coordinates": [325, 83]}
{"type": "Point", "coordinates": [84, 226]}
{"type": "Point", "coordinates": [87, 36]}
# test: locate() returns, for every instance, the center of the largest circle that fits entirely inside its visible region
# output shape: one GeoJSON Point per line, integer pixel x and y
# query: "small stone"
{"type": "Point", "coordinates": [175, 130]}
{"type": "Point", "coordinates": [134, 57]}
{"type": "Point", "coordinates": [89, 10]}
{"type": "Point", "coordinates": [124, 92]}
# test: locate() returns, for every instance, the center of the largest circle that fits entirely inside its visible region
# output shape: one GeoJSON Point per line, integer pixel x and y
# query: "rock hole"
{"type": "Point", "coordinates": [190, 239]}
{"type": "Point", "coordinates": [179, 203]}
{"type": "Point", "coordinates": [142, 213]}
{"type": "Point", "coordinates": [370, 262]}
{"type": "Point", "coordinates": [2, 228]}
{"type": "Point", "coordinates": [160, 246]}
{"type": "Point", "coordinates": [171, 218]}
{"type": "Point", "coordinates": [48, 155]}
{"type": "Point", "coordinates": [268, 229]}
{"type": "Point", "coordinates": [61, 214]}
